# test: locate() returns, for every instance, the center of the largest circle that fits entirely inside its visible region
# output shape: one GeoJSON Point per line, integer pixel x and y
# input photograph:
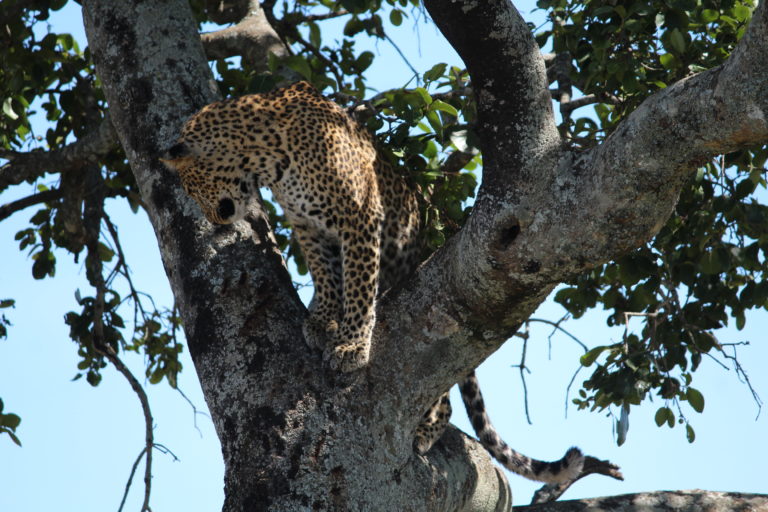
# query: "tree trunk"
{"type": "Point", "coordinates": [297, 436]}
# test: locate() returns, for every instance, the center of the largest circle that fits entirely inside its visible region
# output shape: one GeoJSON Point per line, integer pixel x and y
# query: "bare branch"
{"type": "Point", "coordinates": [148, 434]}
{"type": "Point", "coordinates": [9, 209]}
{"type": "Point", "coordinates": [34, 164]}
{"type": "Point", "coordinates": [130, 479]}
{"type": "Point", "coordinates": [592, 465]}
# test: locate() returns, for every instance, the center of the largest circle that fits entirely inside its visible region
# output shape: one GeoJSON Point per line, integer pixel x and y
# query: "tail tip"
{"type": "Point", "coordinates": [573, 461]}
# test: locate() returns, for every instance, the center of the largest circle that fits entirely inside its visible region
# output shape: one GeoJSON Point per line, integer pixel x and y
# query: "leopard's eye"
{"type": "Point", "coordinates": [226, 208]}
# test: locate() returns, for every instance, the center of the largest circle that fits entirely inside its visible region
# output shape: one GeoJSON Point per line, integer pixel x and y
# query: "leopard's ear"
{"type": "Point", "coordinates": [172, 155]}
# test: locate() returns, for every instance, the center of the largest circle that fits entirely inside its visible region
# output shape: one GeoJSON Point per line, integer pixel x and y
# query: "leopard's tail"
{"type": "Point", "coordinates": [566, 469]}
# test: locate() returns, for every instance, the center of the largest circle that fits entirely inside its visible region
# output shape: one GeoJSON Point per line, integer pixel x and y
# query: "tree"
{"type": "Point", "coordinates": [674, 87]}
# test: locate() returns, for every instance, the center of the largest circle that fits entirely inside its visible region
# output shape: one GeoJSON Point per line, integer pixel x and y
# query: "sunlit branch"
{"type": "Point", "coordinates": [592, 465]}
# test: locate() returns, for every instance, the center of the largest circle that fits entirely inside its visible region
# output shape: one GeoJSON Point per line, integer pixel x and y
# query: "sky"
{"type": "Point", "coordinates": [80, 442]}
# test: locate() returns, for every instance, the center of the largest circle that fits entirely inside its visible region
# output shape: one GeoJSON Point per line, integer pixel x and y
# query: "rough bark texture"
{"type": "Point", "coordinates": [296, 436]}
{"type": "Point", "coordinates": [663, 501]}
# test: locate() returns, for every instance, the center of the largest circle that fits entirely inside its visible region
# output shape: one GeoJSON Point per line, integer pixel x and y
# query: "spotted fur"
{"type": "Point", "coordinates": [350, 211]}
{"type": "Point", "coordinates": [355, 218]}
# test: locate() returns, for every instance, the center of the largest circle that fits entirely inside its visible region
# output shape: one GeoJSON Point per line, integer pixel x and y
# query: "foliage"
{"type": "Point", "coordinates": [705, 267]}
{"type": "Point", "coordinates": [8, 424]}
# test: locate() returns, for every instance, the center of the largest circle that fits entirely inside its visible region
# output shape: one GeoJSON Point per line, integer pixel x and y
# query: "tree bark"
{"type": "Point", "coordinates": [297, 436]}
{"type": "Point", "coordinates": [294, 434]}
{"type": "Point", "coordinates": [662, 501]}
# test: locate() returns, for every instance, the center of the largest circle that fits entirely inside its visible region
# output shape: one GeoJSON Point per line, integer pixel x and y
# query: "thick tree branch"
{"type": "Point", "coordinates": [34, 164]}
{"type": "Point", "coordinates": [548, 214]}
{"type": "Point", "coordinates": [252, 37]}
{"type": "Point", "coordinates": [668, 501]}
{"type": "Point", "coordinates": [508, 79]}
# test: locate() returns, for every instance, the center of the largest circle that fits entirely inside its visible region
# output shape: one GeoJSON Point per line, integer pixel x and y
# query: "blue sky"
{"type": "Point", "coordinates": [79, 442]}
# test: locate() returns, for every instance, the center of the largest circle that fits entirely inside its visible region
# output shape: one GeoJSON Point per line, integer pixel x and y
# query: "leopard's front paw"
{"type": "Point", "coordinates": [348, 357]}
{"type": "Point", "coordinates": [318, 334]}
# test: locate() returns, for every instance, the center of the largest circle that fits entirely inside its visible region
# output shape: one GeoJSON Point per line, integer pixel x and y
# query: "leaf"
{"type": "Point", "coordinates": [664, 415]}
{"type": "Point", "coordinates": [677, 41]}
{"type": "Point", "coordinates": [8, 109]}
{"type": "Point", "coordinates": [622, 425]}
{"type": "Point", "coordinates": [300, 65]}
{"type": "Point", "coordinates": [10, 420]}
{"type": "Point", "coordinates": [364, 61]}
{"type": "Point", "coordinates": [435, 72]}
{"type": "Point", "coordinates": [695, 398]}
{"type": "Point", "coordinates": [396, 17]}
{"type": "Point", "coordinates": [445, 107]}
{"type": "Point", "coordinates": [689, 433]}
{"type": "Point", "coordinates": [589, 358]}
{"type": "Point", "coordinates": [424, 95]}
{"type": "Point", "coordinates": [709, 15]}
{"type": "Point", "coordinates": [314, 35]}
{"type": "Point", "coordinates": [669, 61]}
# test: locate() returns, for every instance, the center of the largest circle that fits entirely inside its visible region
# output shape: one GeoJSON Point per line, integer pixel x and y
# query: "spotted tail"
{"type": "Point", "coordinates": [563, 470]}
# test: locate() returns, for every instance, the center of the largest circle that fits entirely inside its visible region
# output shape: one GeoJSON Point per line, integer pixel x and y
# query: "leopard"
{"type": "Point", "coordinates": [356, 219]}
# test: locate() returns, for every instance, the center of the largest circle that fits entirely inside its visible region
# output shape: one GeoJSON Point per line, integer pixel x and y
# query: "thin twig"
{"type": "Point", "coordinates": [148, 421]}
{"type": "Point", "coordinates": [525, 336]}
{"type": "Point", "coordinates": [405, 59]}
{"type": "Point", "coordinates": [321, 17]}
{"type": "Point", "coordinates": [568, 389]}
{"type": "Point", "coordinates": [195, 412]}
{"type": "Point", "coordinates": [322, 58]}
{"type": "Point", "coordinates": [130, 479]}
{"type": "Point", "coordinates": [556, 326]}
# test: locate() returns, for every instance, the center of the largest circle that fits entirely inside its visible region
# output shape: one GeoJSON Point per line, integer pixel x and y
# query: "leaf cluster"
{"type": "Point", "coordinates": [707, 265]}
{"type": "Point", "coordinates": [47, 80]}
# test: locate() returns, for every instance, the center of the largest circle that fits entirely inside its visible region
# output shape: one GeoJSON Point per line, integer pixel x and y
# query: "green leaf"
{"type": "Point", "coordinates": [677, 41]}
{"type": "Point", "coordinates": [299, 65]}
{"type": "Point", "coordinates": [10, 420]}
{"type": "Point", "coordinates": [709, 15]}
{"type": "Point", "coordinates": [590, 357]}
{"type": "Point", "coordinates": [105, 253]}
{"type": "Point", "coordinates": [314, 35]}
{"type": "Point", "coordinates": [364, 61]}
{"type": "Point", "coordinates": [689, 433]}
{"type": "Point", "coordinates": [664, 415]}
{"type": "Point", "coordinates": [396, 17]}
{"type": "Point", "coordinates": [435, 72]}
{"type": "Point", "coordinates": [669, 61]}
{"type": "Point", "coordinates": [445, 107]}
{"type": "Point", "coordinates": [424, 95]}
{"type": "Point", "coordinates": [695, 398]}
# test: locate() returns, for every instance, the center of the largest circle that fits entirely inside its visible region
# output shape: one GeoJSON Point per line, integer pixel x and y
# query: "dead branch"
{"type": "Point", "coordinates": [592, 465]}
